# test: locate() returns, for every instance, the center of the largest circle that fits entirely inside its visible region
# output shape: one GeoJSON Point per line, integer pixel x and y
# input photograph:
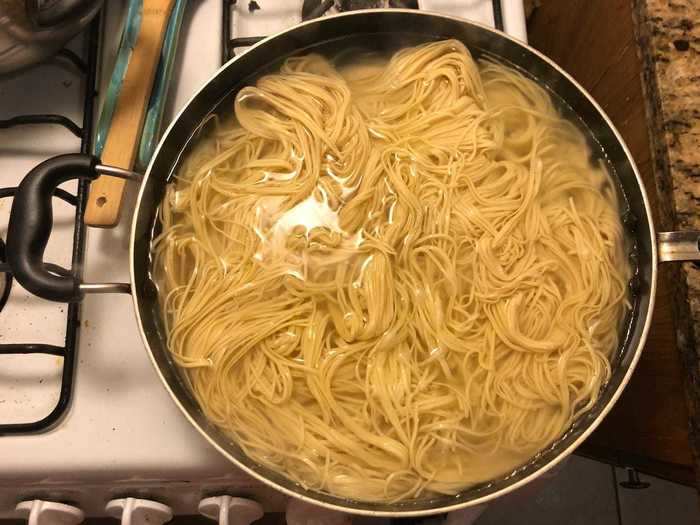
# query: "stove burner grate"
{"type": "Point", "coordinates": [315, 8]}
{"type": "Point", "coordinates": [87, 68]}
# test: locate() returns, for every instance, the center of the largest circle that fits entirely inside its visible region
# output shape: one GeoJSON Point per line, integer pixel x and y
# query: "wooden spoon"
{"type": "Point", "coordinates": [121, 145]}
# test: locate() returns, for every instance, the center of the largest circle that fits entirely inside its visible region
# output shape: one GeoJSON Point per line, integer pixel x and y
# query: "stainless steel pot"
{"type": "Point", "coordinates": [32, 30]}
{"type": "Point", "coordinates": [30, 225]}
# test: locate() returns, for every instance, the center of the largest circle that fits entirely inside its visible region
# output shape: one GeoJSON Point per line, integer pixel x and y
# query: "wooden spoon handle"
{"type": "Point", "coordinates": [121, 145]}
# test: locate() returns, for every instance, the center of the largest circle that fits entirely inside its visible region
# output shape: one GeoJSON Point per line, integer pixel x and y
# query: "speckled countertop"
{"type": "Point", "coordinates": [668, 34]}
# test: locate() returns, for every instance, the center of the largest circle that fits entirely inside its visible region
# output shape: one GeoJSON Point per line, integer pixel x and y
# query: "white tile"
{"type": "Point", "coordinates": [581, 493]}
{"type": "Point", "coordinates": [663, 502]}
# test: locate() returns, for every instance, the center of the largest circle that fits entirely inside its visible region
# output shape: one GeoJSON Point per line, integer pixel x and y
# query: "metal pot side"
{"type": "Point", "coordinates": [381, 27]}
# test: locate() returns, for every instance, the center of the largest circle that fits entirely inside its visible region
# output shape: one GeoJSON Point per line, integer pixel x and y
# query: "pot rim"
{"type": "Point", "coordinates": [463, 504]}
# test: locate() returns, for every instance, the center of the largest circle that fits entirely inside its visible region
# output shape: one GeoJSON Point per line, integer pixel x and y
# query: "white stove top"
{"type": "Point", "coordinates": [122, 433]}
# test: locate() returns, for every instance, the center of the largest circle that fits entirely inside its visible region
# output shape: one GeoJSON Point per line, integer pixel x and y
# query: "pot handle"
{"type": "Point", "coordinates": [679, 246]}
{"type": "Point", "coordinates": [31, 221]}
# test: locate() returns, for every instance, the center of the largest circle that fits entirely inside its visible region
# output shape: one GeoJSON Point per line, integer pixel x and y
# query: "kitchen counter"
{"type": "Point", "coordinates": [668, 36]}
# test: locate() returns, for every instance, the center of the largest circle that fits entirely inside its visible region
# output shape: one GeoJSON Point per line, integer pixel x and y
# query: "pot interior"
{"type": "Point", "coordinates": [384, 31]}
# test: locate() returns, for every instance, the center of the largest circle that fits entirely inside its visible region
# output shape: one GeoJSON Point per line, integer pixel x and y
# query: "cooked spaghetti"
{"type": "Point", "coordinates": [395, 277]}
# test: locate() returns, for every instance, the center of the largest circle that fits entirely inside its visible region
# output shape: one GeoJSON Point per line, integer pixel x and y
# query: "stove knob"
{"type": "Point", "coordinates": [135, 511]}
{"type": "Point", "coordinates": [302, 513]}
{"type": "Point", "coordinates": [40, 512]}
{"type": "Point", "coordinates": [228, 510]}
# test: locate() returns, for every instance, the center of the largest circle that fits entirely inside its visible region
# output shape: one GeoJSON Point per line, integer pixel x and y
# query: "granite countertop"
{"type": "Point", "coordinates": [668, 33]}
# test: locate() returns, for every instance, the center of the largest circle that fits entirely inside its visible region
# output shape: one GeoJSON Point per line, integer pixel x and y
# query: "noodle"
{"type": "Point", "coordinates": [393, 278]}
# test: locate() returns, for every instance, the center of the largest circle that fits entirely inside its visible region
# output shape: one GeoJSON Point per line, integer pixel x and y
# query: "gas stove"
{"type": "Point", "coordinates": [83, 417]}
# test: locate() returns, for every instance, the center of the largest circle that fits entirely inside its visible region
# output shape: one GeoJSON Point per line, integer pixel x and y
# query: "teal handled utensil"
{"type": "Point", "coordinates": [121, 143]}
{"type": "Point", "coordinates": [156, 103]}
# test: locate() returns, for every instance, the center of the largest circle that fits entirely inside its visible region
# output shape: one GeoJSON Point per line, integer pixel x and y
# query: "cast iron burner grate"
{"type": "Point", "coordinates": [88, 69]}
{"type": "Point", "coordinates": [313, 9]}
{"type": "Point", "coordinates": [5, 277]}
